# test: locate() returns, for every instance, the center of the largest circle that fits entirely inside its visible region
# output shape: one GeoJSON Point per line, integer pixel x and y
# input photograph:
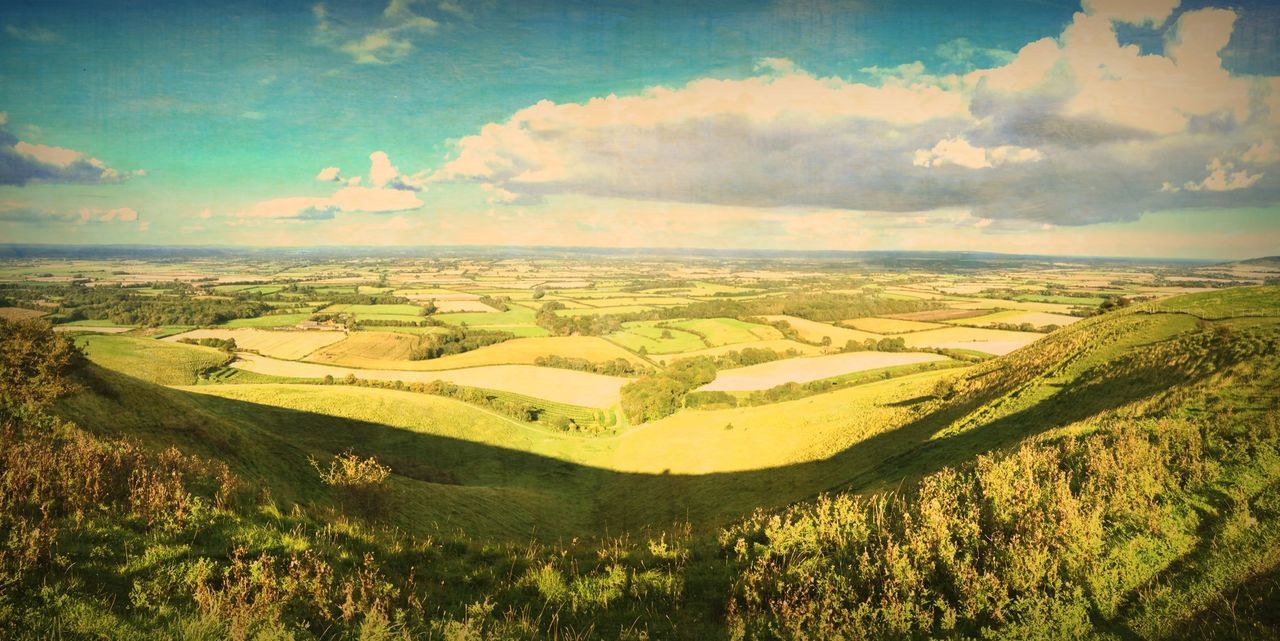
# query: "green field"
{"type": "Point", "coordinates": [646, 335]}
{"type": "Point", "coordinates": [151, 360]}
{"type": "Point", "coordinates": [726, 331]}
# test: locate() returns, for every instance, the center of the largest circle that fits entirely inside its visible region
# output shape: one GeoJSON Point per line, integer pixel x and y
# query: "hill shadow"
{"type": "Point", "coordinates": [452, 484]}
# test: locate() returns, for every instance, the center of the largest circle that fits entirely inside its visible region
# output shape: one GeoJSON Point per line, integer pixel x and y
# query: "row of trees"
{"type": "Point", "coordinates": [455, 340]}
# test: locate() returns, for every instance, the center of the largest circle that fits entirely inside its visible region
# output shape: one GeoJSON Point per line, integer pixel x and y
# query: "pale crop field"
{"type": "Point", "coordinates": [377, 352]}
{"type": "Point", "coordinates": [1017, 317]}
{"type": "Point", "coordinates": [273, 320]}
{"type": "Point", "coordinates": [97, 329]}
{"type": "Point", "coordinates": [365, 311]}
{"type": "Point", "coordinates": [18, 313]}
{"type": "Point", "coordinates": [780, 345]}
{"type": "Point", "coordinates": [287, 344]}
{"type": "Point", "coordinates": [991, 341]}
{"type": "Point", "coordinates": [448, 306]}
{"type": "Point", "coordinates": [366, 346]}
{"type": "Point", "coordinates": [559, 385]}
{"type": "Point", "coordinates": [726, 331]}
{"type": "Point", "coordinates": [803, 370]}
{"type": "Point", "coordinates": [889, 325]}
{"type": "Point", "coordinates": [815, 331]}
{"type": "Point", "coordinates": [1005, 303]}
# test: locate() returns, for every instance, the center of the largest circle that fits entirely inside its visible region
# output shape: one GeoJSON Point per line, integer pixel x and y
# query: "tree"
{"type": "Point", "coordinates": [35, 362]}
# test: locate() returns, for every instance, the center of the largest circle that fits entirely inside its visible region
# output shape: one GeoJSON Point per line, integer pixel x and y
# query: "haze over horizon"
{"type": "Point", "coordinates": [1138, 128]}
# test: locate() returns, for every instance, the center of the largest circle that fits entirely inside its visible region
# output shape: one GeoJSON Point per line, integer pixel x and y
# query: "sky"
{"type": "Point", "coordinates": [1143, 128]}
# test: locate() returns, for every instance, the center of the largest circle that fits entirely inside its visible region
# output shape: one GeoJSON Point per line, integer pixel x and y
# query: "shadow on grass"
{"type": "Point", "coordinates": [449, 484]}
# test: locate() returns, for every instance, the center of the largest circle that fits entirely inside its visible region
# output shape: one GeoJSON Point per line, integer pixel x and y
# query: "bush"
{"type": "Point", "coordinates": [359, 482]}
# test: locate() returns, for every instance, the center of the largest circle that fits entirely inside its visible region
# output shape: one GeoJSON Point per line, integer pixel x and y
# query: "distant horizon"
{"type": "Point", "coordinates": [681, 251]}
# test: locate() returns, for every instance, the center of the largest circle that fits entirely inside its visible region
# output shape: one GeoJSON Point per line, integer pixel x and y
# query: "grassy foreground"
{"type": "Point", "coordinates": [1118, 480]}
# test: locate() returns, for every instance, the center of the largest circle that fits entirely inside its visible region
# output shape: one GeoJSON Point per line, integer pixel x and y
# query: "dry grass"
{"type": "Point", "coordinates": [559, 385]}
{"type": "Point", "coordinates": [18, 313]}
{"type": "Point", "coordinates": [288, 344]}
{"type": "Point", "coordinates": [803, 370]}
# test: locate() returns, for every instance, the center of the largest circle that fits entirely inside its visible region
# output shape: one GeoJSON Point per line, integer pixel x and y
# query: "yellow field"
{"type": "Point", "coordinates": [749, 438]}
{"type": "Point", "coordinates": [803, 370]}
{"type": "Point", "coordinates": [367, 346]}
{"type": "Point", "coordinates": [377, 352]}
{"type": "Point", "coordinates": [553, 384]}
{"type": "Point", "coordinates": [889, 325]}
{"type": "Point", "coordinates": [991, 341]}
{"type": "Point", "coordinates": [18, 313]}
{"type": "Point", "coordinates": [990, 303]}
{"type": "Point", "coordinates": [779, 345]}
{"type": "Point", "coordinates": [446, 306]}
{"type": "Point", "coordinates": [289, 344]}
{"type": "Point", "coordinates": [815, 331]}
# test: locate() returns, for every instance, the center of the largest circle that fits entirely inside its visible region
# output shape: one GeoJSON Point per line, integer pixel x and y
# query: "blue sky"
{"type": "Point", "coordinates": [1015, 126]}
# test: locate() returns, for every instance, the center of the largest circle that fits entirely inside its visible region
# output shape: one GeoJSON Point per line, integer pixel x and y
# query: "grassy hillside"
{"type": "Point", "coordinates": [150, 360]}
{"type": "Point", "coordinates": [1118, 479]}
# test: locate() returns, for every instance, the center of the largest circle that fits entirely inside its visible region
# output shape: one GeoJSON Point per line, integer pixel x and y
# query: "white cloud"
{"type": "Point", "coordinates": [1223, 177]}
{"type": "Point", "coordinates": [1263, 153]}
{"type": "Point", "coordinates": [22, 162]}
{"type": "Point", "coordinates": [1075, 129]}
{"type": "Point", "coordinates": [389, 193]}
{"type": "Point", "coordinates": [329, 174]}
{"type": "Point", "coordinates": [958, 151]}
{"type": "Point", "coordinates": [1139, 12]}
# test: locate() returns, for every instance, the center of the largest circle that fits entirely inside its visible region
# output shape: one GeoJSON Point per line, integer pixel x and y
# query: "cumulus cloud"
{"type": "Point", "coordinates": [329, 174]}
{"type": "Point", "coordinates": [390, 192]}
{"type": "Point", "coordinates": [22, 162]}
{"type": "Point", "coordinates": [958, 151]}
{"type": "Point", "coordinates": [1070, 130]}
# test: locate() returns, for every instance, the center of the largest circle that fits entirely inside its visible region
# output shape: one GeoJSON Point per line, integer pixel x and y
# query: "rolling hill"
{"type": "Point", "coordinates": [1115, 480]}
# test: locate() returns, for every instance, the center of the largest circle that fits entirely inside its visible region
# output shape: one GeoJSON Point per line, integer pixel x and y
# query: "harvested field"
{"type": "Point", "coordinates": [815, 331]}
{"type": "Point", "coordinates": [559, 385]}
{"type": "Point", "coordinates": [889, 325]}
{"type": "Point", "coordinates": [803, 370]}
{"type": "Point", "coordinates": [939, 314]}
{"type": "Point", "coordinates": [287, 344]}
{"type": "Point", "coordinates": [447, 306]}
{"type": "Point", "coordinates": [991, 341]}
{"type": "Point", "coordinates": [97, 329]}
{"type": "Point", "coordinates": [1018, 317]}
{"type": "Point", "coordinates": [779, 345]}
{"type": "Point", "coordinates": [391, 351]}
